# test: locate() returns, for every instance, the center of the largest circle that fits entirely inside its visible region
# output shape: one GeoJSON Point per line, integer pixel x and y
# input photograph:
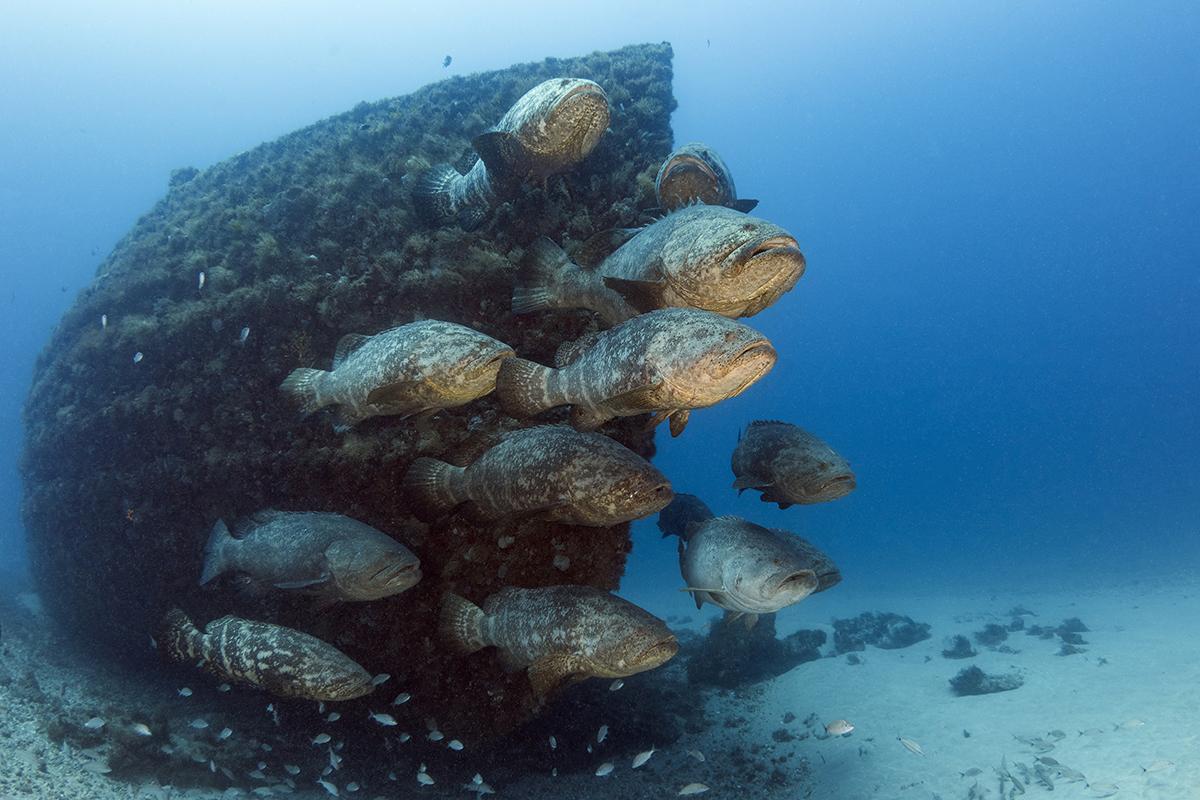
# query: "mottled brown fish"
{"type": "Point", "coordinates": [282, 661]}
{"type": "Point", "coordinates": [552, 470]}
{"type": "Point", "coordinates": [706, 257]}
{"type": "Point", "coordinates": [549, 129]}
{"type": "Point", "coordinates": [695, 173]}
{"type": "Point", "coordinates": [667, 362]}
{"type": "Point", "coordinates": [329, 555]}
{"type": "Point", "coordinates": [748, 569]}
{"type": "Point", "coordinates": [419, 368]}
{"type": "Point", "coordinates": [562, 634]}
{"type": "Point", "coordinates": [789, 465]}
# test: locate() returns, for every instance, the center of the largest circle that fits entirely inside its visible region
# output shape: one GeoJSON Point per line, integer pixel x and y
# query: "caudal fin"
{"type": "Point", "coordinates": [214, 552]}
{"type": "Point", "coordinates": [178, 637]}
{"type": "Point", "coordinates": [679, 518]}
{"type": "Point", "coordinates": [303, 388]}
{"type": "Point", "coordinates": [461, 624]}
{"type": "Point", "coordinates": [431, 195]}
{"type": "Point", "coordinates": [431, 484]}
{"type": "Point", "coordinates": [540, 278]}
{"type": "Point", "coordinates": [521, 388]}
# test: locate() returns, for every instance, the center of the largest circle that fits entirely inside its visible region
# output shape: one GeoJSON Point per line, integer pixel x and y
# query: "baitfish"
{"type": "Point", "coordinates": [789, 465]}
{"type": "Point", "coordinates": [563, 634]}
{"type": "Point", "coordinates": [418, 368]}
{"type": "Point", "coordinates": [669, 362]}
{"type": "Point", "coordinates": [706, 257]}
{"type": "Point", "coordinates": [279, 660]}
{"type": "Point", "coordinates": [329, 555]}
{"type": "Point", "coordinates": [748, 569]}
{"type": "Point", "coordinates": [548, 130]}
{"type": "Point", "coordinates": [695, 173]}
{"type": "Point", "coordinates": [551, 470]}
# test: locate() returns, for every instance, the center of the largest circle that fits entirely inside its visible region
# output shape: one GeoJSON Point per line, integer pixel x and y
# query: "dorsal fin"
{"type": "Point", "coordinates": [569, 351]}
{"type": "Point", "coordinates": [243, 526]}
{"type": "Point", "coordinates": [600, 246]}
{"type": "Point", "coordinates": [469, 450]}
{"type": "Point", "coordinates": [347, 345]}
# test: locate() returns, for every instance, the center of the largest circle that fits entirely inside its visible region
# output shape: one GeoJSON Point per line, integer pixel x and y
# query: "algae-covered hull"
{"type": "Point", "coordinates": [129, 462]}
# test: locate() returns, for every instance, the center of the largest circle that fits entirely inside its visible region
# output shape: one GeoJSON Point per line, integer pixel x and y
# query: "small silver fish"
{"type": "Point", "coordinates": [334, 716]}
{"type": "Point", "coordinates": [1159, 765]}
{"type": "Point", "coordinates": [425, 779]}
{"type": "Point", "coordinates": [94, 724]}
{"type": "Point", "coordinates": [224, 687]}
{"type": "Point", "coordinates": [322, 738]}
{"type": "Point", "coordinates": [604, 769]}
{"type": "Point", "coordinates": [291, 769]}
{"type": "Point", "coordinates": [386, 720]}
{"type": "Point", "coordinates": [257, 774]}
{"type": "Point", "coordinates": [137, 357]}
{"type": "Point", "coordinates": [911, 746]}
{"type": "Point", "coordinates": [200, 281]}
{"type": "Point", "coordinates": [327, 786]}
{"type": "Point", "coordinates": [601, 734]}
{"type": "Point", "coordinates": [199, 723]}
{"type": "Point", "coordinates": [103, 321]}
{"type": "Point", "coordinates": [1129, 725]}
{"type": "Point", "coordinates": [697, 755]}
{"type": "Point", "coordinates": [553, 743]}
{"type": "Point", "coordinates": [404, 737]}
{"type": "Point", "coordinates": [454, 744]}
{"type": "Point", "coordinates": [692, 788]}
{"type": "Point", "coordinates": [616, 685]}
{"type": "Point", "coordinates": [478, 786]}
{"type": "Point", "coordinates": [185, 692]}
{"type": "Point", "coordinates": [839, 727]}
{"type": "Point", "coordinates": [335, 760]}
{"type": "Point", "coordinates": [380, 679]}
{"type": "Point", "coordinates": [244, 335]}
{"type": "Point", "coordinates": [436, 736]}
{"type": "Point", "coordinates": [141, 729]}
{"type": "Point", "coordinates": [225, 733]}
{"type": "Point", "coordinates": [351, 787]}
{"type": "Point", "coordinates": [401, 699]}
{"type": "Point", "coordinates": [642, 757]}
{"type": "Point", "coordinates": [1103, 789]}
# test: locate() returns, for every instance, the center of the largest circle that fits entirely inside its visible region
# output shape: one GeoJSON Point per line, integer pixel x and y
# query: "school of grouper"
{"type": "Point", "coordinates": [670, 295]}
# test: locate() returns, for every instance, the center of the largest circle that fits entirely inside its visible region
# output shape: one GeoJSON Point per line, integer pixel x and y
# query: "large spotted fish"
{"type": "Point", "coordinates": [789, 465]}
{"type": "Point", "coordinates": [282, 661]}
{"type": "Point", "coordinates": [666, 362]}
{"type": "Point", "coordinates": [416, 368]}
{"type": "Point", "coordinates": [695, 173]}
{"type": "Point", "coordinates": [706, 257]}
{"type": "Point", "coordinates": [561, 634]}
{"type": "Point", "coordinates": [553, 471]}
{"type": "Point", "coordinates": [746, 568]}
{"type": "Point", "coordinates": [328, 555]}
{"type": "Point", "coordinates": [550, 128]}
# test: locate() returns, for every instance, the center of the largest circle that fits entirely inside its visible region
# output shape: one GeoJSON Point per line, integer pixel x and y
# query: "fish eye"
{"type": "Point", "coordinates": [746, 226]}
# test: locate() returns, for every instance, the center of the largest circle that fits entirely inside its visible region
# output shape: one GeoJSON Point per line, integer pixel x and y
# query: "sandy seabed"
{"type": "Point", "coordinates": [1129, 707]}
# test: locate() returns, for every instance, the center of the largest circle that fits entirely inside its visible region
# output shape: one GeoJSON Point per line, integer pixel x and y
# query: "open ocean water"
{"type": "Point", "coordinates": [997, 327]}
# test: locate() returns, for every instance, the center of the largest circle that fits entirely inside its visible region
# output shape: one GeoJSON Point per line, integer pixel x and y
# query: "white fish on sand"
{"type": "Point", "coordinates": [839, 727]}
{"type": "Point", "coordinates": [94, 724]}
{"type": "Point", "coordinates": [1158, 766]}
{"type": "Point", "coordinates": [386, 720]}
{"type": "Point", "coordinates": [601, 734]}
{"type": "Point", "coordinates": [911, 746]}
{"type": "Point", "coordinates": [696, 754]}
{"type": "Point", "coordinates": [137, 357]}
{"type": "Point", "coordinates": [1129, 725]}
{"type": "Point", "coordinates": [1103, 789]}
{"type": "Point", "coordinates": [141, 729]}
{"type": "Point", "coordinates": [692, 788]}
{"type": "Point", "coordinates": [642, 757]}
{"type": "Point", "coordinates": [401, 699]}
{"type": "Point", "coordinates": [327, 786]}
{"type": "Point", "coordinates": [322, 738]}
{"type": "Point", "coordinates": [199, 723]}
{"type": "Point", "coordinates": [604, 769]}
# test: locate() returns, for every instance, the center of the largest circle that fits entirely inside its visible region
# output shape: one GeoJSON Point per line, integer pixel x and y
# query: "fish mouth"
{"type": "Point", "coordinates": [801, 583]}
{"type": "Point", "coordinates": [681, 164]}
{"type": "Point", "coordinates": [777, 244]}
{"type": "Point", "coordinates": [753, 361]}
{"type": "Point", "coordinates": [585, 88]}
{"type": "Point", "coordinates": [404, 574]}
{"type": "Point", "coordinates": [839, 486]}
{"type": "Point", "coordinates": [658, 653]}
{"type": "Point", "coordinates": [488, 364]}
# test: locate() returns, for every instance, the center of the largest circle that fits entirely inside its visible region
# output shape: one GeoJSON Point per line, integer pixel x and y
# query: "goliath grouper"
{"type": "Point", "coordinates": [694, 173]}
{"type": "Point", "coordinates": [280, 660]}
{"type": "Point", "coordinates": [562, 634]}
{"type": "Point", "coordinates": [789, 465]}
{"type": "Point", "coordinates": [746, 568]}
{"type": "Point", "coordinates": [553, 471]}
{"type": "Point", "coordinates": [551, 128]}
{"type": "Point", "coordinates": [706, 257]}
{"type": "Point", "coordinates": [667, 361]}
{"type": "Point", "coordinates": [329, 555]}
{"type": "Point", "coordinates": [418, 368]}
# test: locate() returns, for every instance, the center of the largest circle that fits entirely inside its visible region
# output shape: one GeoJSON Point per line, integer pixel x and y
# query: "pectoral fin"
{"type": "Point", "coordinates": [644, 398]}
{"type": "Point", "coordinates": [643, 295]}
{"type": "Point", "coordinates": [389, 395]}
{"type": "Point", "coordinates": [744, 482]}
{"type": "Point", "coordinates": [303, 583]}
{"type": "Point", "coordinates": [679, 421]}
{"type": "Point", "coordinates": [555, 671]}
{"type": "Point", "coordinates": [347, 345]}
{"type": "Point", "coordinates": [601, 245]}
{"type": "Point", "coordinates": [502, 152]}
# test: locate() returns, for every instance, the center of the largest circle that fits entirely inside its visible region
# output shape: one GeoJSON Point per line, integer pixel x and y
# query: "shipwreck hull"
{"type": "Point", "coordinates": [302, 240]}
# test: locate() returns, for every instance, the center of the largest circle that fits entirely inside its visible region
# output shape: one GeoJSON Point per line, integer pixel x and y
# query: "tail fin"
{"type": "Point", "coordinates": [684, 511]}
{"type": "Point", "coordinates": [431, 195]}
{"type": "Point", "coordinates": [178, 637]}
{"type": "Point", "coordinates": [521, 387]}
{"type": "Point", "coordinates": [540, 276]}
{"type": "Point", "coordinates": [461, 624]}
{"type": "Point", "coordinates": [214, 552]}
{"type": "Point", "coordinates": [303, 386]}
{"type": "Point", "coordinates": [431, 484]}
